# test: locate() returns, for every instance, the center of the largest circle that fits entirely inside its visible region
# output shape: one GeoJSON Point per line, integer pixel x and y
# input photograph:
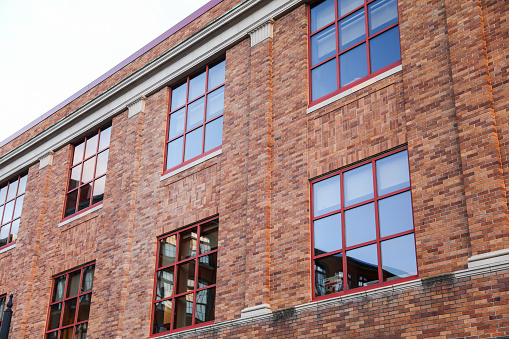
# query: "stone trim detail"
{"type": "Point", "coordinates": [262, 32]}
{"type": "Point", "coordinates": [81, 215]}
{"type": "Point", "coordinates": [489, 259]}
{"type": "Point", "coordinates": [8, 248]}
{"type": "Point", "coordinates": [46, 160]}
{"type": "Point", "coordinates": [137, 106]}
{"type": "Point", "coordinates": [253, 311]}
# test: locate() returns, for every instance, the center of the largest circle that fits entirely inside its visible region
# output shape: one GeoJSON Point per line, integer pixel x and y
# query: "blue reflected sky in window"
{"type": "Point", "coordinates": [384, 49]}
{"type": "Point", "coordinates": [395, 214]}
{"type": "Point", "coordinates": [322, 14]}
{"type": "Point", "coordinates": [353, 65]}
{"type": "Point", "coordinates": [360, 224]}
{"type": "Point", "coordinates": [398, 257]}
{"type": "Point", "coordinates": [382, 14]}
{"type": "Point", "coordinates": [352, 30]}
{"type": "Point", "coordinates": [358, 184]}
{"type": "Point", "coordinates": [323, 45]}
{"type": "Point", "coordinates": [326, 195]}
{"type": "Point", "coordinates": [392, 173]}
{"type": "Point", "coordinates": [327, 234]}
{"type": "Point", "coordinates": [324, 79]}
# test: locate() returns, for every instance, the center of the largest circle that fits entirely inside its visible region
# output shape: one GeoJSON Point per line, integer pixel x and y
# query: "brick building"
{"type": "Point", "coordinates": [273, 169]}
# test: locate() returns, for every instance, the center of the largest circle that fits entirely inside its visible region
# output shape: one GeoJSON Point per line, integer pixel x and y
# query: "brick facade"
{"type": "Point", "coordinates": [448, 104]}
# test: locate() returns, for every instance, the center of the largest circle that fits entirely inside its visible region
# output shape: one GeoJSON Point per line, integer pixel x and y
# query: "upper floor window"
{"type": "Point", "coordinates": [195, 121]}
{"type": "Point", "coordinates": [12, 194]}
{"type": "Point", "coordinates": [69, 307]}
{"type": "Point", "coordinates": [87, 175]}
{"type": "Point", "coordinates": [362, 226]}
{"type": "Point", "coordinates": [351, 40]}
{"type": "Point", "coordinates": [2, 308]}
{"type": "Point", "coordinates": [185, 286]}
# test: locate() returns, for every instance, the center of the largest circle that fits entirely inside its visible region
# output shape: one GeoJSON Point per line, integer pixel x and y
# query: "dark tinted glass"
{"type": "Point", "coordinates": [208, 237]}
{"type": "Point", "coordinates": [73, 285]}
{"type": "Point", "coordinates": [54, 316]}
{"type": "Point", "coordinates": [84, 197]}
{"type": "Point", "coordinates": [14, 230]}
{"type": "Point", "coordinates": [352, 30]}
{"type": "Point", "coordinates": [216, 75]}
{"type": "Point", "coordinates": [384, 49]}
{"type": "Point", "coordinates": [398, 257]}
{"type": "Point", "coordinates": [360, 224]}
{"type": "Point", "coordinates": [58, 288]}
{"type": "Point", "coordinates": [88, 279]}
{"type": "Point", "coordinates": [324, 79]}
{"type": "Point", "coordinates": [164, 283]}
{"type": "Point", "coordinates": [213, 134]}
{"type": "Point", "coordinates": [322, 14]}
{"type": "Point", "coordinates": [327, 196]}
{"type": "Point", "coordinates": [4, 234]}
{"type": "Point", "coordinates": [187, 245]}
{"type": "Point", "coordinates": [362, 266]}
{"type": "Point", "coordinates": [174, 155]}
{"type": "Point", "coordinates": [167, 251]}
{"type": "Point", "coordinates": [323, 45]}
{"type": "Point", "coordinates": [329, 275]}
{"type": "Point", "coordinates": [185, 276]}
{"type": "Point", "coordinates": [327, 234]}
{"type": "Point", "coordinates": [353, 65]}
{"type": "Point", "coordinates": [162, 316]}
{"type": "Point", "coordinates": [81, 331]}
{"type": "Point", "coordinates": [207, 270]}
{"type": "Point", "coordinates": [69, 312]}
{"type": "Point", "coordinates": [193, 143]}
{"type": "Point", "coordinates": [205, 304]}
{"type": "Point", "coordinates": [70, 203]}
{"type": "Point", "coordinates": [178, 96]}
{"type": "Point", "coordinates": [52, 335]}
{"type": "Point", "coordinates": [183, 311]}
{"type": "Point", "coordinates": [99, 189]}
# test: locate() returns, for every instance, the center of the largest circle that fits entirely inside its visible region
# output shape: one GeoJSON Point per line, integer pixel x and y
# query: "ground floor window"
{"type": "Point", "coordinates": [362, 225]}
{"type": "Point", "coordinates": [185, 280]}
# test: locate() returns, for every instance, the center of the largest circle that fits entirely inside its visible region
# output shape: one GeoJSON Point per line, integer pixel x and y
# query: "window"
{"type": "Point", "coordinates": [195, 121]}
{"type": "Point", "coordinates": [362, 226]}
{"type": "Point", "coordinates": [2, 308]}
{"type": "Point", "coordinates": [12, 194]}
{"type": "Point", "coordinates": [185, 278]}
{"type": "Point", "coordinates": [87, 176]}
{"type": "Point", "coordinates": [69, 306]}
{"type": "Point", "coordinates": [351, 40]}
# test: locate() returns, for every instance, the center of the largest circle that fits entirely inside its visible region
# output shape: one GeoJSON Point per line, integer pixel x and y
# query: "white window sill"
{"type": "Point", "coordinates": [192, 164]}
{"type": "Point", "coordinates": [8, 248]}
{"type": "Point", "coordinates": [356, 88]}
{"type": "Point", "coordinates": [81, 215]}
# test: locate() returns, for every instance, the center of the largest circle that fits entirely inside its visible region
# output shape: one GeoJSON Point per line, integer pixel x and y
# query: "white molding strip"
{"type": "Point", "coordinates": [213, 39]}
{"type": "Point", "coordinates": [263, 32]}
{"type": "Point", "coordinates": [8, 248]}
{"type": "Point", "coordinates": [192, 164]}
{"type": "Point", "coordinates": [81, 215]}
{"type": "Point", "coordinates": [137, 106]}
{"type": "Point", "coordinates": [46, 160]}
{"type": "Point", "coordinates": [254, 311]}
{"type": "Point", "coordinates": [489, 259]}
{"type": "Point", "coordinates": [354, 89]}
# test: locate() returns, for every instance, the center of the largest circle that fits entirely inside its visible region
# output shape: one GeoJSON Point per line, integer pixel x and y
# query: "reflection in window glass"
{"type": "Point", "coordinates": [329, 275]}
{"type": "Point", "coordinates": [352, 30]}
{"type": "Point", "coordinates": [360, 224]}
{"type": "Point", "coordinates": [327, 234]}
{"type": "Point", "coordinates": [327, 196]}
{"type": "Point", "coordinates": [353, 65]}
{"type": "Point", "coordinates": [362, 266]}
{"type": "Point", "coordinates": [395, 265]}
{"type": "Point", "coordinates": [324, 79]}
{"type": "Point", "coordinates": [392, 173]}
{"type": "Point", "coordinates": [322, 14]}
{"type": "Point", "coordinates": [12, 196]}
{"type": "Point", "coordinates": [358, 185]}
{"type": "Point", "coordinates": [323, 45]}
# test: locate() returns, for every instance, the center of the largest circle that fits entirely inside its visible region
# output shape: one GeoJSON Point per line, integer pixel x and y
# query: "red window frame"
{"type": "Point", "coordinates": [185, 106]}
{"type": "Point", "coordinates": [338, 52]}
{"type": "Point", "coordinates": [89, 184]}
{"type": "Point", "coordinates": [64, 301]}
{"type": "Point", "coordinates": [175, 264]}
{"type": "Point", "coordinates": [377, 241]}
{"type": "Point", "coordinates": [5, 220]}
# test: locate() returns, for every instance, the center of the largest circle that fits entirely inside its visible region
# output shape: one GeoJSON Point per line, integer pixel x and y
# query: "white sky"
{"type": "Point", "coordinates": [50, 49]}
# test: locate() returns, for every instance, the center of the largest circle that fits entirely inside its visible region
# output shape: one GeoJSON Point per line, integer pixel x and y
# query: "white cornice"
{"type": "Point", "coordinates": [210, 41]}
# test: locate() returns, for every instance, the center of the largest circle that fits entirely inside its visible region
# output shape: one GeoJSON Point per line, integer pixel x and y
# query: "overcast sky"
{"type": "Point", "coordinates": [50, 49]}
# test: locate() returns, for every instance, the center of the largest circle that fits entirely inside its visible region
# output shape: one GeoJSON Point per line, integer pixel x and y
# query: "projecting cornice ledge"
{"type": "Point", "coordinates": [191, 53]}
{"type": "Point", "coordinates": [263, 32]}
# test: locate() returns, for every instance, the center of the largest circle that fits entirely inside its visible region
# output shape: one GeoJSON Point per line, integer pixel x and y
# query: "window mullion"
{"type": "Point", "coordinates": [343, 233]}
{"type": "Point", "coordinates": [366, 22]}
{"type": "Point", "coordinates": [377, 223]}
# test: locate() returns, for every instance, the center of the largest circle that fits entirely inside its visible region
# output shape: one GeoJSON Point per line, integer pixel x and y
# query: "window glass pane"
{"type": "Point", "coordinates": [195, 112]}
{"type": "Point", "coordinates": [324, 79]}
{"type": "Point", "coordinates": [91, 147]}
{"type": "Point", "coordinates": [323, 45]}
{"type": "Point", "coordinates": [52, 335]}
{"type": "Point", "coordinates": [178, 96]}
{"type": "Point", "coordinates": [3, 194]}
{"type": "Point", "coordinates": [326, 195]}
{"type": "Point", "coordinates": [213, 134]}
{"type": "Point", "coordinates": [392, 173]}
{"type": "Point", "coordinates": [362, 266]}
{"type": "Point", "coordinates": [81, 331]}
{"type": "Point", "coordinates": [22, 186]}
{"type": "Point", "coordinates": [4, 234]}
{"type": "Point", "coordinates": [88, 279]}
{"type": "Point", "coordinates": [54, 316]}
{"type": "Point", "coordinates": [19, 207]}
{"type": "Point", "coordinates": [58, 288]}
{"type": "Point", "coordinates": [197, 86]}
{"type": "Point", "coordinates": [358, 185]}
{"type": "Point", "coordinates": [207, 270]}
{"type": "Point", "coordinates": [2, 303]}
{"type": "Point", "coordinates": [205, 306]}
{"type": "Point", "coordinates": [382, 14]}
{"type": "Point", "coordinates": [69, 312]}
{"type": "Point", "coordinates": [395, 214]}
{"type": "Point", "coordinates": [346, 6]}
{"type": "Point", "coordinates": [187, 245]}
{"type": "Point", "coordinates": [194, 143]}
{"type": "Point", "coordinates": [164, 284]}
{"type": "Point", "coordinates": [216, 75]}
{"type": "Point", "coordinates": [353, 65]}
{"type": "Point", "coordinates": [104, 140]}
{"type": "Point", "coordinates": [327, 234]}
{"type": "Point", "coordinates": [360, 224]}
{"type": "Point", "coordinates": [67, 333]}
{"type": "Point", "coordinates": [78, 153]}
{"type": "Point", "coordinates": [183, 311]}
{"type": "Point", "coordinates": [177, 123]}
{"type": "Point", "coordinates": [185, 276]}
{"type": "Point", "coordinates": [73, 284]}
{"type": "Point", "coordinates": [70, 203]}
{"type": "Point", "coordinates": [162, 316]}
{"type": "Point", "coordinates": [215, 103]}
{"type": "Point", "coordinates": [102, 163]}
{"type": "Point", "coordinates": [208, 237]}
{"type": "Point", "coordinates": [384, 49]}
{"type": "Point", "coordinates": [329, 275]}
{"type": "Point", "coordinates": [322, 14]}
{"type": "Point", "coordinates": [167, 251]}
{"type": "Point", "coordinates": [13, 187]}
{"type": "Point", "coordinates": [14, 230]}
{"type": "Point", "coordinates": [352, 30]}
{"type": "Point", "coordinates": [9, 208]}
{"type": "Point", "coordinates": [84, 307]}
{"type": "Point", "coordinates": [88, 170]}
{"type": "Point", "coordinates": [99, 190]}
{"type": "Point", "coordinates": [174, 155]}
{"type": "Point", "coordinates": [84, 197]}
{"type": "Point", "coordinates": [74, 179]}
{"type": "Point", "coordinates": [398, 257]}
